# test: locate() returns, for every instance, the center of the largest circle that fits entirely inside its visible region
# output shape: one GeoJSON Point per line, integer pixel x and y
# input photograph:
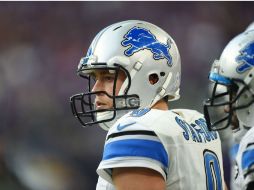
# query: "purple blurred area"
{"type": "Point", "coordinates": [42, 146]}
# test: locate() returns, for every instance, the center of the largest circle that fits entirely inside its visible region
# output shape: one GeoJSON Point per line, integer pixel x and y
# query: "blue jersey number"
{"type": "Point", "coordinates": [212, 170]}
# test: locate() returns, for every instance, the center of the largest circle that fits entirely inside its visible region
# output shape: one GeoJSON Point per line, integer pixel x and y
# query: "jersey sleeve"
{"type": "Point", "coordinates": [104, 185]}
{"type": "Point", "coordinates": [131, 144]}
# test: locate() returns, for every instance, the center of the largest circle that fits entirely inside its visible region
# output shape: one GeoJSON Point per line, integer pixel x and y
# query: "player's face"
{"type": "Point", "coordinates": [234, 119]}
{"type": "Point", "coordinates": [104, 81]}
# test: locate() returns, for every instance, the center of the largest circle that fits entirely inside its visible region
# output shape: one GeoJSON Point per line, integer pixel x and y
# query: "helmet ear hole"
{"type": "Point", "coordinates": [153, 78]}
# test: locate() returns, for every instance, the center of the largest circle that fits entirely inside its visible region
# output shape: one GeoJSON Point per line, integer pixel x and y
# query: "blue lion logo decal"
{"type": "Point", "coordinates": [246, 58]}
{"type": "Point", "coordinates": [140, 39]}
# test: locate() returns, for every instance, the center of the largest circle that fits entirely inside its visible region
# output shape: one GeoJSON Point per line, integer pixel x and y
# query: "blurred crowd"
{"type": "Point", "coordinates": [42, 146]}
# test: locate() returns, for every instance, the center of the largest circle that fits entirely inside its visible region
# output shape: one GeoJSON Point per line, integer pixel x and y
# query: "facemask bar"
{"type": "Point", "coordinates": [82, 104]}
{"type": "Point", "coordinates": [85, 110]}
{"type": "Point", "coordinates": [213, 103]}
{"type": "Point", "coordinates": [234, 94]}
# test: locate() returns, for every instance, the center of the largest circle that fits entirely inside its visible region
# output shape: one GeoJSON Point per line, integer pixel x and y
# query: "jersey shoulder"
{"type": "Point", "coordinates": [246, 157]}
{"type": "Point", "coordinates": [142, 119]}
{"type": "Point", "coordinates": [131, 142]}
{"type": "Point", "coordinates": [188, 115]}
{"type": "Point", "coordinates": [246, 145]}
{"type": "Point", "coordinates": [247, 142]}
{"type": "Point", "coordinates": [151, 119]}
{"type": "Point", "coordinates": [167, 124]}
{"type": "Point", "coordinates": [248, 137]}
{"type": "Point", "coordinates": [135, 120]}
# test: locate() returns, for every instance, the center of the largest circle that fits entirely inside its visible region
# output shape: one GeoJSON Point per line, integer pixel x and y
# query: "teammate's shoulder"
{"type": "Point", "coordinates": [248, 138]}
{"type": "Point", "coordinates": [245, 153]}
{"type": "Point", "coordinates": [249, 133]}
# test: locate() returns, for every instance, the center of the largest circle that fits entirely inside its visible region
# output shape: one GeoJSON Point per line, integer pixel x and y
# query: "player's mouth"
{"type": "Point", "coordinates": [100, 105]}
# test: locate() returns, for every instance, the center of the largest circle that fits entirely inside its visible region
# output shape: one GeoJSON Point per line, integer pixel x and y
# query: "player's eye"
{"type": "Point", "coordinates": [108, 78]}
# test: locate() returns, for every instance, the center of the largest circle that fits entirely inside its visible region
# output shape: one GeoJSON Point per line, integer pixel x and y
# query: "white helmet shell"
{"type": "Point", "coordinates": [250, 27]}
{"type": "Point", "coordinates": [143, 49]}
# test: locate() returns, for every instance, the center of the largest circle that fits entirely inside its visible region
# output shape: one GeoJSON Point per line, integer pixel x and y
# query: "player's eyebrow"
{"type": "Point", "coordinates": [100, 72]}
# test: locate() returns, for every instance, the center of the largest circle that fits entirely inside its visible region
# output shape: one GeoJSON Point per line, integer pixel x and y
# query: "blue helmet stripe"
{"type": "Point", "coordinates": [136, 148]}
{"type": "Point", "coordinates": [220, 79]}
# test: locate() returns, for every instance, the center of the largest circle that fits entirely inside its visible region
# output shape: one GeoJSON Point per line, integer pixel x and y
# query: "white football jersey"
{"type": "Point", "coordinates": [175, 143]}
{"type": "Point", "coordinates": [243, 162]}
{"type": "Point", "coordinates": [102, 184]}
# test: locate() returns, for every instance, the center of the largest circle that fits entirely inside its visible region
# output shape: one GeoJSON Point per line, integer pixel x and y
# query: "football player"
{"type": "Point", "coordinates": [133, 70]}
{"type": "Point", "coordinates": [234, 71]}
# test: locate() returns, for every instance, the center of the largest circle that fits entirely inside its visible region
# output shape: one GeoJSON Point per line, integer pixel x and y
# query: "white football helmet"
{"type": "Point", "coordinates": [140, 49]}
{"type": "Point", "coordinates": [250, 27]}
{"type": "Point", "coordinates": [235, 70]}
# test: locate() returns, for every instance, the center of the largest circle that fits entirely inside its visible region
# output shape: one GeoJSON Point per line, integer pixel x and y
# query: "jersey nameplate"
{"type": "Point", "coordinates": [196, 131]}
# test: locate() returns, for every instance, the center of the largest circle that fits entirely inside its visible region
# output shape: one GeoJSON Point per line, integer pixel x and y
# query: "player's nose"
{"type": "Point", "coordinates": [98, 86]}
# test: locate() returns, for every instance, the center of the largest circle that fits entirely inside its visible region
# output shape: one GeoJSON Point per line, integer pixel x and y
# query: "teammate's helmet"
{"type": "Point", "coordinates": [141, 50]}
{"type": "Point", "coordinates": [235, 70]}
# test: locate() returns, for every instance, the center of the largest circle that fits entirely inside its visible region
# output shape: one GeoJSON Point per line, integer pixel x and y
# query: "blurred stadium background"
{"type": "Point", "coordinates": [42, 146]}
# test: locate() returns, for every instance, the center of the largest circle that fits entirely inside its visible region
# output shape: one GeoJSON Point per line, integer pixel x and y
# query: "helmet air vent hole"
{"type": "Point", "coordinates": [153, 78]}
{"type": "Point", "coordinates": [162, 74]}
